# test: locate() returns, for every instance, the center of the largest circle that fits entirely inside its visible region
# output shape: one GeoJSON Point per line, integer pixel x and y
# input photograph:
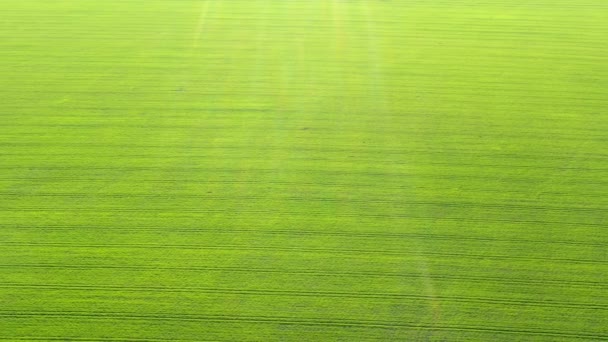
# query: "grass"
{"type": "Point", "coordinates": [303, 170]}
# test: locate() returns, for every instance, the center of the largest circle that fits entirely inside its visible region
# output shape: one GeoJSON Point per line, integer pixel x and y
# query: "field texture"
{"type": "Point", "coordinates": [256, 170]}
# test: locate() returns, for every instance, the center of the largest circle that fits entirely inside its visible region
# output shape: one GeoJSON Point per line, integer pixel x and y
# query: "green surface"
{"type": "Point", "coordinates": [303, 170]}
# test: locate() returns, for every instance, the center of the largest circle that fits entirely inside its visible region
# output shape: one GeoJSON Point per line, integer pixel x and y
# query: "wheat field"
{"type": "Point", "coordinates": [258, 170]}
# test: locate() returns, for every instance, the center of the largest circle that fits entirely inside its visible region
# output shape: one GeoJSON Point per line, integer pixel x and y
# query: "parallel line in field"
{"type": "Point", "coordinates": [536, 28]}
{"type": "Point", "coordinates": [350, 201]}
{"type": "Point", "coordinates": [588, 44]}
{"type": "Point", "coordinates": [301, 232]}
{"type": "Point", "coordinates": [508, 56]}
{"type": "Point", "coordinates": [289, 211]}
{"type": "Point", "coordinates": [309, 147]}
{"type": "Point", "coordinates": [498, 92]}
{"type": "Point", "coordinates": [444, 10]}
{"type": "Point", "coordinates": [99, 111]}
{"type": "Point", "coordinates": [221, 198]}
{"type": "Point", "coordinates": [311, 127]}
{"type": "Point", "coordinates": [502, 91]}
{"type": "Point", "coordinates": [505, 56]}
{"type": "Point", "coordinates": [473, 25]}
{"type": "Point", "coordinates": [151, 150]}
{"type": "Point", "coordinates": [487, 88]}
{"type": "Point", "coordinates": [365, 155]}
{"type": "Point", "coordinates": [505, 34]}
{"type": "Point", "coordinates": [445, 13]}
{"type": "Point", "coordinates": [295, 293]}
{"type": "Point", "coordinates": [183, 106]}
{"type": "Point", "coordinates": [458, 164]}
{"type": "Point", "coordinates": [413, 132]}
{"type": "Point", "coordinates": [342, 172]}
{"type": "Point", "coordinates": [491, 89]}
{"type": "Point", "coordinates": [515, 57]}
{"type": "Point", "coordinates": [161, 172]}
{"type": "Point", "coordinates": [304, 250]}
{"type": "Point", "coordinates": [161, 105]}
{"type": "Point", "coordinates": [466, 28]}
{"type": "Point", "coordinates": [386, 216]}
{"type": "Point", "coordinates": [316, 272]}
{"type": "Point", "coordinates": [390, 184]}
{"type": "Point", "coordinates": [338, 322]}
{"type": "Point", "coordinates": [94, 339]}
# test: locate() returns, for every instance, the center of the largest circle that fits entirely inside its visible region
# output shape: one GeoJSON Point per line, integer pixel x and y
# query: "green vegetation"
{"type": "Point", "coordinates": [303, 170]}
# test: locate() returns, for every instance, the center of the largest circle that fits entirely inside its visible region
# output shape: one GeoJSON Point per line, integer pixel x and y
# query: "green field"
{"type": "Point", "coordinates": [257, 170]}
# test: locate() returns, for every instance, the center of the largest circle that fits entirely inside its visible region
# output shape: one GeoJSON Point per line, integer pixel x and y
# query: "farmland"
{"type": "Point", "coordinates": [257, 170]}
